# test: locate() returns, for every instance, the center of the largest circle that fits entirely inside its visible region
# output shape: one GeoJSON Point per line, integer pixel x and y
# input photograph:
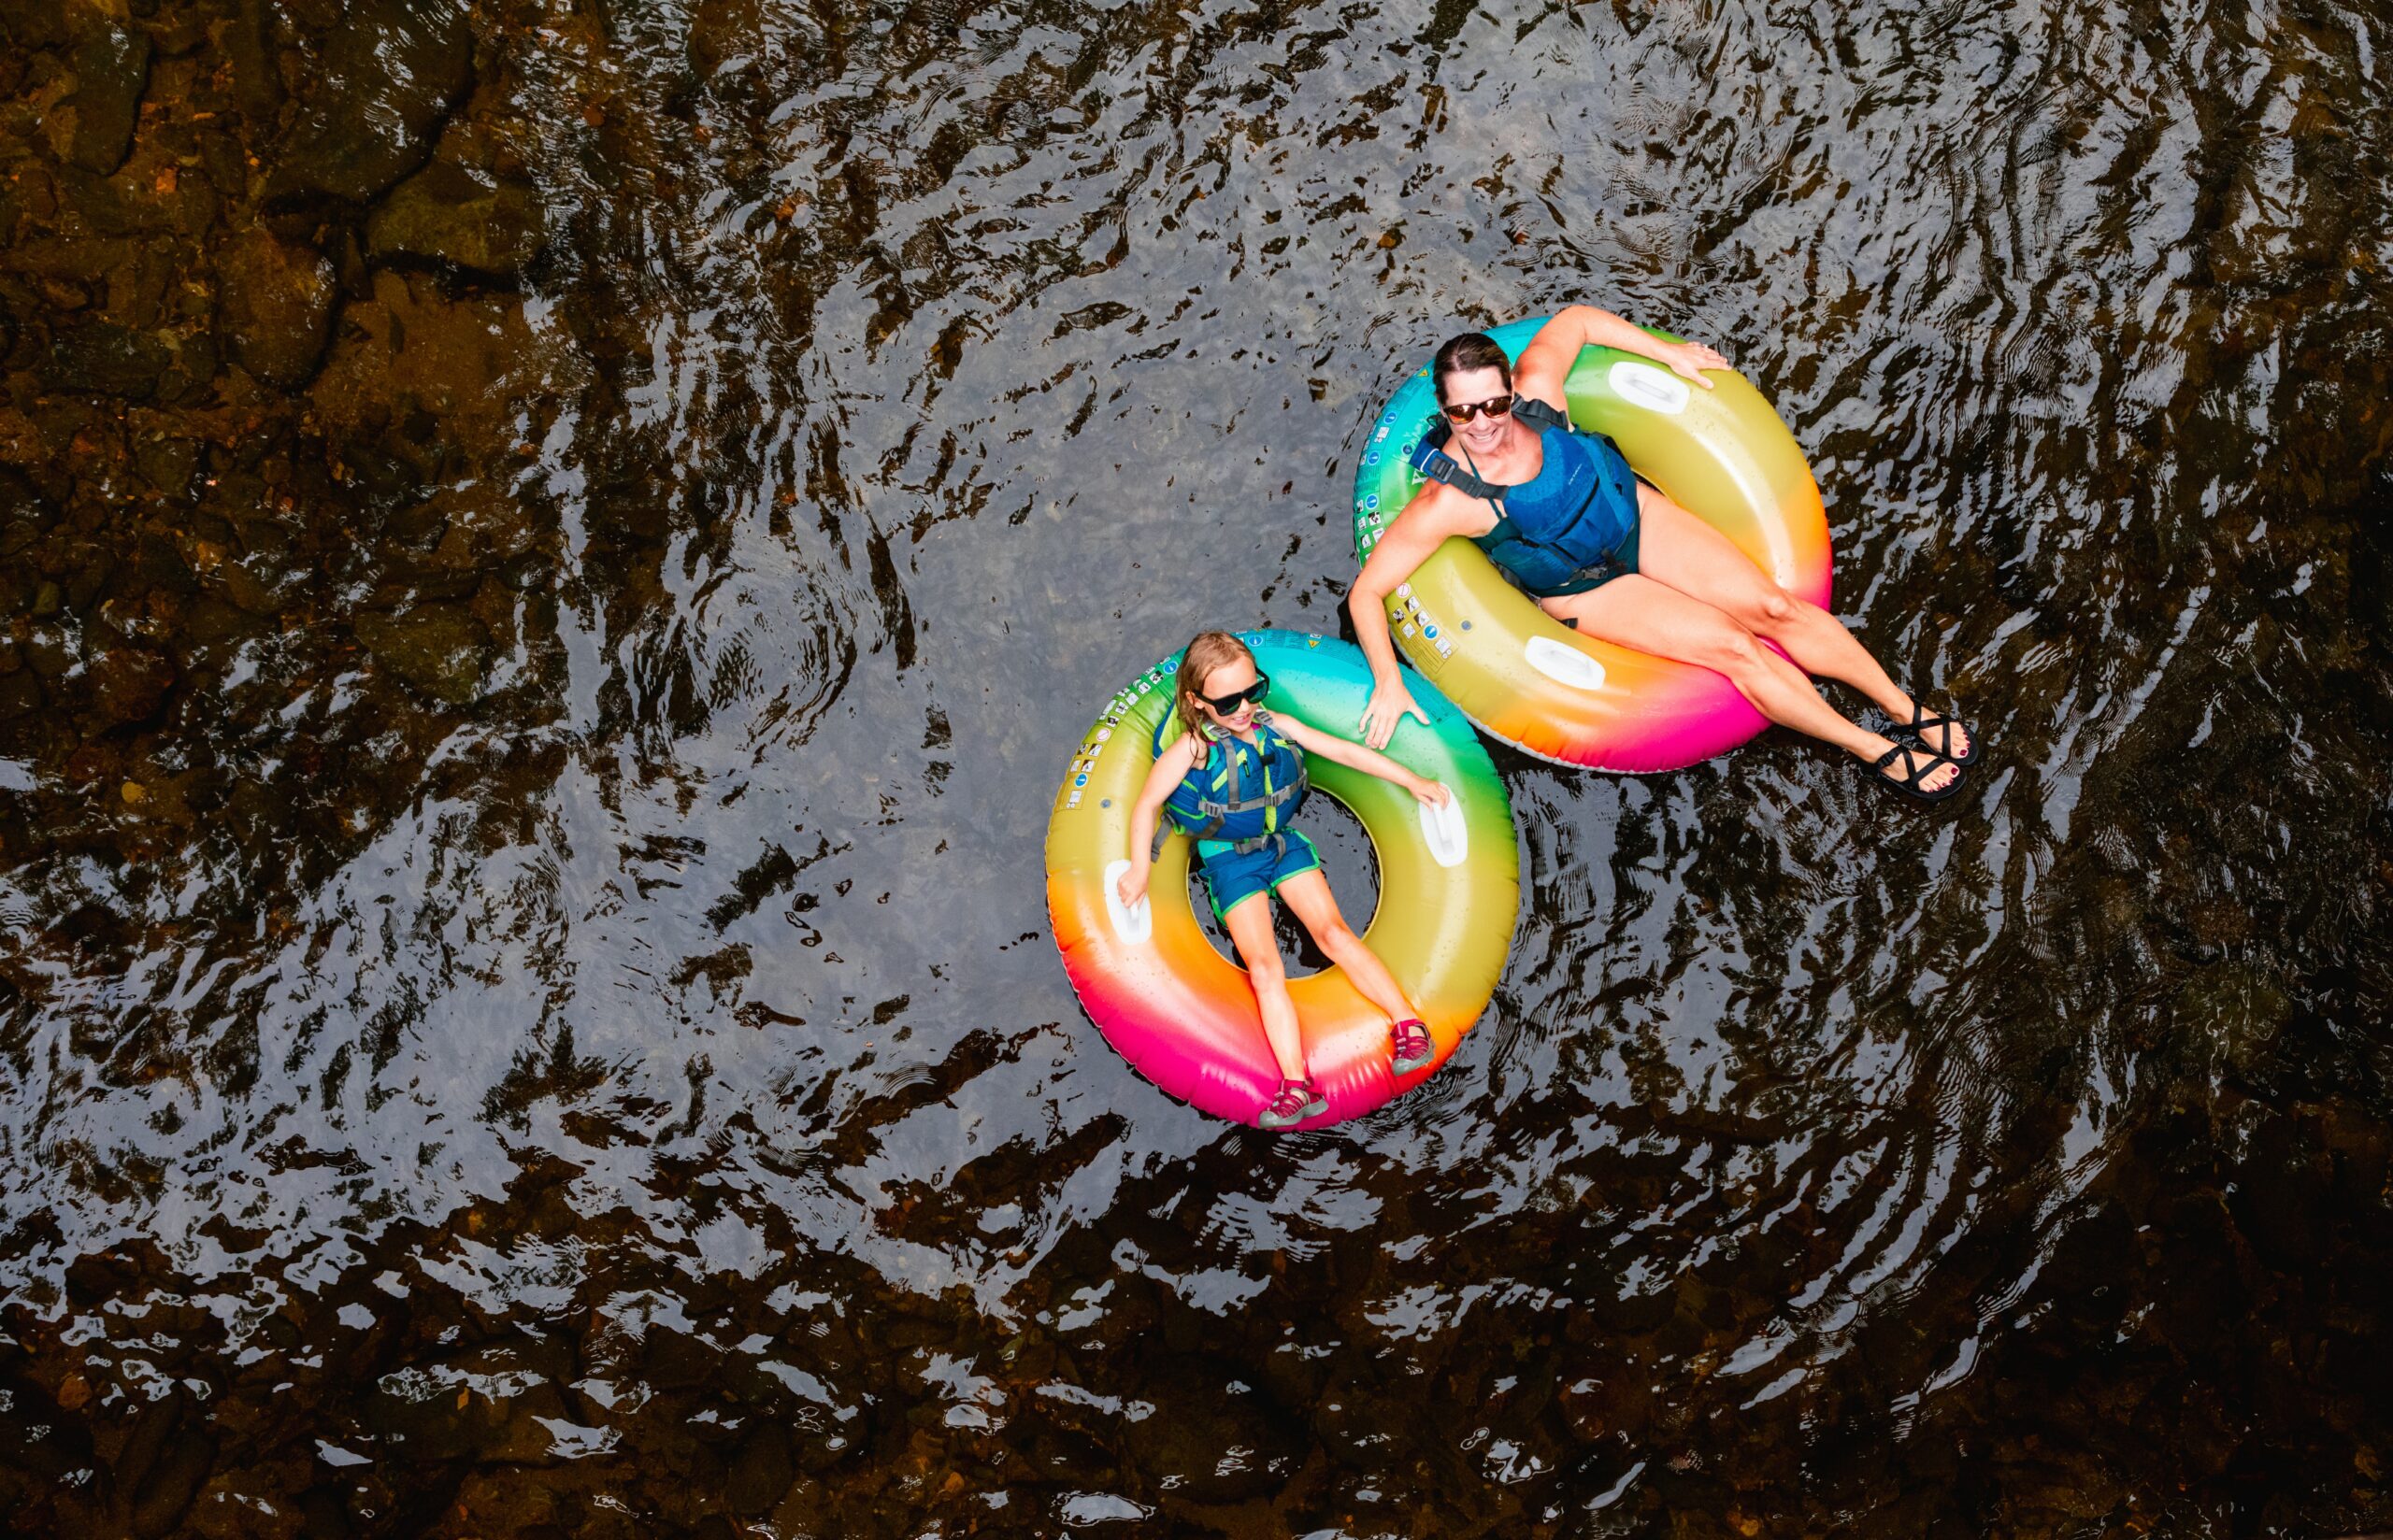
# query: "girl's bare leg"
{"type": "Point", "coordinates": [1307, 896]}
{"type": "Point", "coordinates": [1248, 923]}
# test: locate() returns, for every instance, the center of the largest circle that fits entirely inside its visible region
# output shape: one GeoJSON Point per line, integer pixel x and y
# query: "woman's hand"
{"type": "Point", "coordinates": [1388, 706]}
{"type": "Point", "coordinates": [1688, 360]}
{"type": "Point", "coordinates": [1133, 886]}
{"type": "Point", "coordinates": [1430, 794]}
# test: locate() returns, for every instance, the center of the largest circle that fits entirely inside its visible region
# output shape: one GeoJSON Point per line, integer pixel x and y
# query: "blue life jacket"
{"type": "Point", "coordinates": [1244, 795]}
{"type": "Point", "coordinates": [1565, 522]}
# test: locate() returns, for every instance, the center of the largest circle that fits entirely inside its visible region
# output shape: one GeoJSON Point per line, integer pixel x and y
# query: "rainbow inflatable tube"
{"type": "Point", "coordinates": [1525, 677]}
{"type": "Point", "coordinates": [1181, 1013]}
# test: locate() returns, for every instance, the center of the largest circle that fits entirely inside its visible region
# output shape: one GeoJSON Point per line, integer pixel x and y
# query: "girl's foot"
{"type": "Point", "coordinates": [1944, 736]}
{"type": "Point", "coordinates": [1291, 1105]}
{"type": "Point", "coordinates": [1919, 774]}
{"type": "Point", "coordinates": [1413, 1047]}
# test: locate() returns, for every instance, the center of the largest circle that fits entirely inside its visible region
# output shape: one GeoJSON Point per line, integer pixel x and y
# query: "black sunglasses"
{"type": "Point", "coordinates": [1463, 411]}
{"type": "Point", "coordinates": [1225, 705]}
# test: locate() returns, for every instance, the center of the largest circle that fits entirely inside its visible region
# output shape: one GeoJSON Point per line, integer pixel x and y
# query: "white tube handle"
{"type": "Point", "coordinates": [1564, 664]}
{"type": "Point", "coordinates": [1135, 926]}
{"type": "Point", "coordinates": [1443, 829]}
{"type": "Point", "coordinates": [1655, 390]}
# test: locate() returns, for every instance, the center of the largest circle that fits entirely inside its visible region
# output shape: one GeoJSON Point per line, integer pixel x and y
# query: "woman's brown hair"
{"type": "Point", "coordinates": [1468, 351]}
{"type": "Point", "coordinates": [1207, 652]}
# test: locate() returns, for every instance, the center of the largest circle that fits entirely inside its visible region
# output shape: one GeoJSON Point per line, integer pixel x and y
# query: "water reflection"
{"type": "Point", "coordinates": [527, 996]}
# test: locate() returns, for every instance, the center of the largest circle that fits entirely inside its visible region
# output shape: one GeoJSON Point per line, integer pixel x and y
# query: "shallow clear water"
{"type": "Point", "coordinates": [528, 991]}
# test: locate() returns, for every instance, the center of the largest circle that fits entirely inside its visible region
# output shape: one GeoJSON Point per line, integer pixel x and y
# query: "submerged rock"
{"type": "Point", "coordinates": [725, 33]}
{"type": "Point", "coordinates": [172, 1479]}
{"type": "Point", "coordinates": [158, 564]}
{"type": "Point", "coordinates": [112, 69]}
{"type": "Point", "coordinates": [102, 357]}
{"type": "Point", "coordinates": [417, 352]}
{"type": "Point", "coordinates": [438, 647]}
{"type": "Point", "coordinates": [671, 1361]}
{"type": "Point", "coordinates": [179, 31]}
{"type": "Point", "coordinates": [275, 307]}
{"type": "Point", "coordinates": [476, 1408]}
{"type": "Point", "coordinates": [481, 527]}
{"type": "Point", "coordinates": [390, 75]}
{"type": "Point", "coordinates": [211, 622]}
{"type": "Point", "coordinates": [505, 1502]}
{"type": "Point", "coordinates": [446, 213]}
{"type": "Point", "coordinates": [125, 684]}
{"type": "Point", "coordinates": [246, 1503]}
{"type": "Point", "coordinates": [23, 514]}
{"type": "Point", "coordinates": [35, 23]}
{"type": "Point", "coordinates": [169, 464]}
{"type": "Point", "coordinates": [147, 197]}
{"type": "Point", "coordinates": [160, 1464]}
{"type": "Point", "coordinates": [760, 1471]}
{"type": "Point", "coordinates": [2235, 1011]}
{"type": "Point", "coordinates": [249, 45]}
{"type": "Point", "coordinates": [1217, 1444]}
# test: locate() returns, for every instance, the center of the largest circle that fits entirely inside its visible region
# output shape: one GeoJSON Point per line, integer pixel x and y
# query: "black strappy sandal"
{"type": "Point", "coordinates": [1914, 772]}
{"type": "Point", "coordinates": [1920, 725]}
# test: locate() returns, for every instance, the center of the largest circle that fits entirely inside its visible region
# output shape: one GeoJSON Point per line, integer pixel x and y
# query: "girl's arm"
{"type": "Point", "coordinates": [1545, 363]}
{"type": "Point", "coordinates": [1170, 765]}
{"type": "Point", "coordinates": [1355, 756]}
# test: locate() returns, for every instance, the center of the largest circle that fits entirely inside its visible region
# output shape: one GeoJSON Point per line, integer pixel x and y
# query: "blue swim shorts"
{"type": "Point", "coordinates": [1231, 878]}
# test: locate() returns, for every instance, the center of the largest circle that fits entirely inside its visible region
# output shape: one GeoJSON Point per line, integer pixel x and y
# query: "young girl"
{"type": "Point", "coordinates": [1234, 781]}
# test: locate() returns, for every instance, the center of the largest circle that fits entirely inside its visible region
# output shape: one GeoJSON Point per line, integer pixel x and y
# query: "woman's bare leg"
{"type": "Point", "coordinates": [1248, 923]}
{"type": "Point", "coordinates": [1676, 549]}
{"type": "Point", "coordinates": [1643, 613]}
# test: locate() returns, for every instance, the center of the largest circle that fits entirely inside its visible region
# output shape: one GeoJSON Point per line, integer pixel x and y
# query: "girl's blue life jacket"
{"type": "Point", "coordinates": [1563, 524]}
{"type": "Point", "coordinates": [1243, 795]}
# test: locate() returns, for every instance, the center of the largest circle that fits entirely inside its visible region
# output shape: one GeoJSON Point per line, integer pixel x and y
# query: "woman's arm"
{"type": "Point", "coordinates": [1170, 765]}
{"type": "Point", "coordinates": [1545, 363]}
{"type": "Point", "coordinates": [1355, 756]}
{"type": "Point", "coordinates": [1435, 515]}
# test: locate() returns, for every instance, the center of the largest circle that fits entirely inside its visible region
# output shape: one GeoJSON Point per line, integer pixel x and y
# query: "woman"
{"type": "Point", "coordinates": [1612, 557]}
{"type": "Point", "coordinates": [1234, 781]}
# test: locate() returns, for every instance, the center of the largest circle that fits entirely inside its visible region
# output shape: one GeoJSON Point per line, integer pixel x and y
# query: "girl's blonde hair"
{"type": "Point", "coordinates": [1207, 652]}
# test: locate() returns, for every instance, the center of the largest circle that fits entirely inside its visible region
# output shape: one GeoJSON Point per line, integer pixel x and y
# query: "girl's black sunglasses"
{"type": "Point", "coordinates": [1225, 705]}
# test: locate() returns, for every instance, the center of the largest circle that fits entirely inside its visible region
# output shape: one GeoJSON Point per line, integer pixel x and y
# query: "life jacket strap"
{"type": "Point", "coordinates": [1537, 414]}
{"type": "Point", "coordinates": [1436, 465]}
{"type": "Point", "coordinates": [1219, 811]}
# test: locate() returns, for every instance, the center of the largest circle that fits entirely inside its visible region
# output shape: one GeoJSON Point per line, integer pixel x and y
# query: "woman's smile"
{"type": "Point", "coordinates": [1482, 433]}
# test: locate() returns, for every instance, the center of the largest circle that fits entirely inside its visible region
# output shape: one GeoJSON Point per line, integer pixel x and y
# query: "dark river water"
{"type": "Point", "coordinates": [554, 557]}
